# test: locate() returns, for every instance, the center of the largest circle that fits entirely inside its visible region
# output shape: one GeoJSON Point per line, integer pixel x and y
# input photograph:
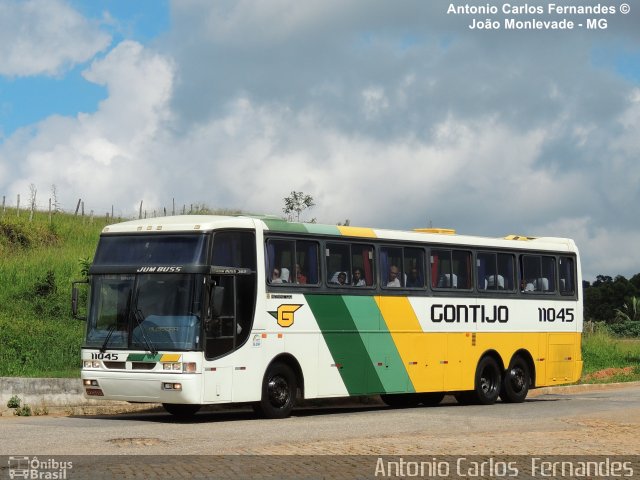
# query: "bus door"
{"type": "Point", "coordinates": [227, 325]}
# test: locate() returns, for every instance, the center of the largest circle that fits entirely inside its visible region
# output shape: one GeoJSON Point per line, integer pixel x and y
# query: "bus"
{"type": "Point", "coordinates": [197, 310]}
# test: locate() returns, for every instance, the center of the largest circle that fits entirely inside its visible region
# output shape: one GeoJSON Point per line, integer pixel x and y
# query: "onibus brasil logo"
{"type": "Point", "coordinates": [33, 468]}
{"type": "Point", "coordinates": [285, 314]}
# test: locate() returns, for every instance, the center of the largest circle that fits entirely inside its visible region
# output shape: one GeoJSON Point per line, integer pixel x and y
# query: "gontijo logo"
{"type": "Point", "coordinates": [285, 314]}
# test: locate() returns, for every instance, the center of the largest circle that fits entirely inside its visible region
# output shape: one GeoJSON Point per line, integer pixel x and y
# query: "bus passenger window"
{"type": "Point", "coordinates": [450, 269]}
{"type": "Point", "coordinates": [292, 262]}
{"type": "Point", "coordinates": [390, 267]}
{"type": "Point", "coordinates": [567, 277]}
{"type": "Point", "coordinates": [495, 271]}
{"type": "Point", "coordinates": [349, 265]}
{"type": "Point", "coordinates": [414, 267]}
{"type": "Point", "coordinates": [538, 274]}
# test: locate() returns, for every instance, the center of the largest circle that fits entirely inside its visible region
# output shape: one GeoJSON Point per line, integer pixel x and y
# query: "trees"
{"type": "Point", "coordinates": [295, 204]}
{"type": "Point", "coordinates": [606, 297]}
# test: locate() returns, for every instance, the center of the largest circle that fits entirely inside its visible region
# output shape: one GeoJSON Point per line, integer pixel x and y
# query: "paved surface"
{"type": "Point", "coordinates": [333, 442]}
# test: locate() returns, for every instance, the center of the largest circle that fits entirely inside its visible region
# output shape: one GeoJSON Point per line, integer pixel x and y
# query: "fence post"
{"type": "Point", "coordinates": [82, 208]}
{"type": "Point", "coordinates": [173, 210]}
{"type": "Point", "coordinates": [3, 200]}
{"type": "Point", "coordinates": [140, 211]}
{"type": "Point", "coordinates": [18, 206]}
{"type": "Point", "coordinates": [77, 207]}
{"type": "Point", "coordinates": [49, 210]}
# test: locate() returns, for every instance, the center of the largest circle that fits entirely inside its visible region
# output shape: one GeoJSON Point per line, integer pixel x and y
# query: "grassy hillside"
{"type": "Point", "coordinates": [38, 336]}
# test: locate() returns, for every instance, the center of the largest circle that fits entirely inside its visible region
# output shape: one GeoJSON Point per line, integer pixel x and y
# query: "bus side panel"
{"type": "Point", "coordinates": [564, 358]}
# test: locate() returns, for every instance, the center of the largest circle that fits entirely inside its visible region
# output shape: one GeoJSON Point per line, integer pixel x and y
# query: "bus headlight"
{"type": "Point", "coordinates": [189, 367]}
{"type": "Point", "coordinates": [171, 386]}
{"type": "Point", "coordinates": [91, 364]}
{"type": "Point", "coordinates": [186, 367]}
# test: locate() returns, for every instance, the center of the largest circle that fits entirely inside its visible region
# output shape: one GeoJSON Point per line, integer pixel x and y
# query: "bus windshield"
{"type": "Point", "coordinates": [145, 312]}
{"type": "Point", "coordinates": [155, 249]}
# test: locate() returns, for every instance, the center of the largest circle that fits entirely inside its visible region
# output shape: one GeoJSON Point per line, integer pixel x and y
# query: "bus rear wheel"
{"type": "Point", "coordinates": [516, 381]}
{"type": "Point", "coordinates": [181, 410]}
{"type": "Point", "coordinates": [279, 389]}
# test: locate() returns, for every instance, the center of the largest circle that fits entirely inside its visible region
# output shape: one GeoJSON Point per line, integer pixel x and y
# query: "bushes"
{"type": "Point", "coordinates": [38, 336]}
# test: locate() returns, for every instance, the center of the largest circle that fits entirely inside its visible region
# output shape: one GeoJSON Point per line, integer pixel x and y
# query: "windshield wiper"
{"type": "Point", "coordinates": [137, 314]}
{"type": "Point", "coordinates": [112, 329]}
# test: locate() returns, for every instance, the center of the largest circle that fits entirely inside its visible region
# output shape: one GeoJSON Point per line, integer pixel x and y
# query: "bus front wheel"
{"type": "Point", "coordinates": [516, 381]}
{"type": "Point", "coordinates": [488, 381]}
{"type": "Point", "coordinates": [279, 390]}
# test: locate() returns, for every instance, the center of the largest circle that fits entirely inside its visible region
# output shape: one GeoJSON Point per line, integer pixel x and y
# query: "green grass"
{"type": "Point", "coordinates": [601, 352]}
{"type": "Point", "coordinates": [38, 336]}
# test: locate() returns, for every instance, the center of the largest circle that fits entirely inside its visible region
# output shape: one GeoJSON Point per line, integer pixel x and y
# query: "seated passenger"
{"type": "Point", "coordinates": [300, 277]}
{"type": "Point", "coordinates": [394, 273]}
{"type": "Point", "coordinates": [275, 276]}
{"type": "Point", "coordinates": [358, 280]}
{"type": "Point", "coordinates": [342, 278]}
{"type": "Point", "coordinates": [413, 280]}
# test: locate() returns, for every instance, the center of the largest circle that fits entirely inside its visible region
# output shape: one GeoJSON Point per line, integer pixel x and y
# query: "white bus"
{"type": "Point", "coordinates": [196, 310]}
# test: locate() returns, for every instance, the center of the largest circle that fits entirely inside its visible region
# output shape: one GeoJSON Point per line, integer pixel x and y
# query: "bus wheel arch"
{"type": "Point", "coordinates": [279, 388]}
{"type": "Point", "coordinates": [517, 378]}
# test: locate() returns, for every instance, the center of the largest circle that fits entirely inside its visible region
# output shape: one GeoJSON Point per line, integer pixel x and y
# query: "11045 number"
{"type": "Point", "coordinates": [552, 314]}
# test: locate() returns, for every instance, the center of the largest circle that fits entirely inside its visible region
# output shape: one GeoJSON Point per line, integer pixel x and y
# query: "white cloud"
{"type": "Point", "coordinates": [389, 116]}
{"type": "Point", "coordinates": [45, 37]}
{"type": "Point", "coordinates": [104, 157]}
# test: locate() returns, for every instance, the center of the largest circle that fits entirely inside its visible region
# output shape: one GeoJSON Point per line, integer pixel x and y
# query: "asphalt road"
{"type": "Point", "coordinates": [603, 422]}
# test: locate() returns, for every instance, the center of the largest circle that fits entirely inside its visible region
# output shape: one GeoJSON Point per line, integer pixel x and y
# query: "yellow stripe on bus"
{"type": "Point", "coordinates": [170, 357]}
{"type": "Point", "coordinates": [421, 354]}
{"type": "Point", "coordinates": [357, 231]}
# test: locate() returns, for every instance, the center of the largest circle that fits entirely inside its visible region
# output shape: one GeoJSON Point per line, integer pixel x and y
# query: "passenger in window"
{"type": "Point", "coordinates": [342, 278]}
{"type": "Point", "coordinates": [275, 276]}
{"type": "Point", "coordinates": [526, 285]}
{"type": "Point", "coordinates": [358, 280]}
{"type": "Point", "coordinates": [413, 280]}
{"type": "Point", "coordinates": [300, 276]}
{"type": "Point", "coordinates": [394, 273]}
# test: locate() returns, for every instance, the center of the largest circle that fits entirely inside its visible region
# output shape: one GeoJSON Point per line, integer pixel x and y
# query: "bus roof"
{"type": "Point", "coordinates": [204, 223]}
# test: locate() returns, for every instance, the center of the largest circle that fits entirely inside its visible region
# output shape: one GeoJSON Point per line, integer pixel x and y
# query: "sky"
{"type": "Point", "coordinates": [390, 114]}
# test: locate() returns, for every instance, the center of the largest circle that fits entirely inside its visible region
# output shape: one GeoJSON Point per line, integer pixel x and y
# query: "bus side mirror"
{"type": "Point", "coordinates": [75, 295]}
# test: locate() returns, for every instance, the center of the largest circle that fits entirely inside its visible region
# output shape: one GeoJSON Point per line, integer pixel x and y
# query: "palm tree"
{"type": "Point", "coordinates": [630, 312]}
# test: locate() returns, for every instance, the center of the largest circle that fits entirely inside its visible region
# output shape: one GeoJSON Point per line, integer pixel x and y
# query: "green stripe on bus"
{"type": "Point", "coordinates": [380, 346]}
{"type": "Point", "coordinates": [322, 229]}
{"type": "Point", "coordinates": [345, 344]}
{"type": "Point", "coordinates": [284, 226]}
{"type": "Point", "coordinates": [143, 357]}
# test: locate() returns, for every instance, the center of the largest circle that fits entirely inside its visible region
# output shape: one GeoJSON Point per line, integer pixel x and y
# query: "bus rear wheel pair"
{"type": "Point", "coordinates": [512, 386]}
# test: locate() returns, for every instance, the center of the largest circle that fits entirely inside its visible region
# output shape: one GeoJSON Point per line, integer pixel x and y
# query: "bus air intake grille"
{"type": "Point", "coordinates": [115, 365]}
{"type": "Point", "coordinates": [143, 365]}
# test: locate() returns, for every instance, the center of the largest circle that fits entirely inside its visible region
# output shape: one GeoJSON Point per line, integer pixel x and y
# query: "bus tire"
{"type": "Point", "coordinates": [279, 389]}
{"type": "Point", "coordinates": [516, 381]}
{"type": "Point", "coordinates": [487, 381]}
{"type": "Point", "coordinates": [401, 400]}
{"type": "Point", "coordinates": [431, 399]}
{"type": "Point", "coordinates": [181, 410]}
